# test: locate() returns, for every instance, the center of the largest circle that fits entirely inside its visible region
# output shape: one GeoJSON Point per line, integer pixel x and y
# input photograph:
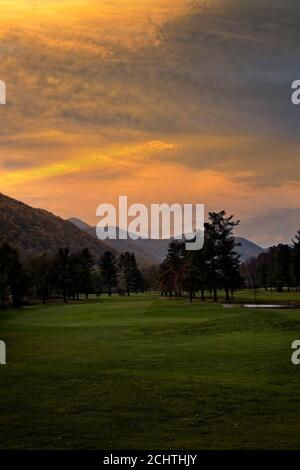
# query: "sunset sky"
{"type": "Point", "coordinates": [160, 100]}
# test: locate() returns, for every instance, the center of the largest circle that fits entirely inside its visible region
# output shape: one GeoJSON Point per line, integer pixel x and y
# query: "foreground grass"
{"type": "Point", "coordinates": [145, 372]}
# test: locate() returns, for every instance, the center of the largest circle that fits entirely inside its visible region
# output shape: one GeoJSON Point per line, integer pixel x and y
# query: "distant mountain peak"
{"type": "Point", "coordinates": [248, 249]}
{"type": "Point", "coordinates": [154, 251]}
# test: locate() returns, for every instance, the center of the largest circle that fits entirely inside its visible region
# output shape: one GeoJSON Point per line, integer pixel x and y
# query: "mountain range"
{"type": "Point", "coordinates": [35, 231]}
{"type": "Point", "coordinates": [154, 251]}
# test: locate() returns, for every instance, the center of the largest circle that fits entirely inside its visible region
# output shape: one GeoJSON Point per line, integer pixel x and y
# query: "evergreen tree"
{"type": "Point", "coordinates": [63, 266]}
{"type": "Point", "coordinates": [263, 270]}
{"type": "Point", "coordinates": [190, 274]}
{"type": "Point", "coordinates": [281, 267]}
{"type": "Point", "coordinates": [97, 282]}
{"type": "Point", "coordinates": [296, 260]}
{"type": "Point", "coordinates": [129, 271]}
{"type": "Point", "coordinates": [42, 275]}
{"type": "Point", "coordinates": [13, 277]}
{"type": "Point", "coordinates": [86, 265]}
{"type": "Point", "coordinates": [173, 266]}
{"type": "Point", "coordinates": [222, 258]}
{"type": "Point", "coordinates": [109, 270]}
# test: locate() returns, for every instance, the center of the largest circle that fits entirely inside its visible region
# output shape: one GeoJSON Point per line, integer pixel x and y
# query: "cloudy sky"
{"type": "Point", "coordinates": [161, 100]}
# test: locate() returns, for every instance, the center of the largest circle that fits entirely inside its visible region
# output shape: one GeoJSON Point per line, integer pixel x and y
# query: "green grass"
{"type": "Point", "coordinates": [247, 295]}
{"type": "Point", "coordinates": [149, 373]}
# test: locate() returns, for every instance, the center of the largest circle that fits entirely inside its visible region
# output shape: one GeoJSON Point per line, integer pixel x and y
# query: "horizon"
{"type": "Point", "coordinates": [84, 222]}
{"type": "Point", "coordinates": [237, 235]}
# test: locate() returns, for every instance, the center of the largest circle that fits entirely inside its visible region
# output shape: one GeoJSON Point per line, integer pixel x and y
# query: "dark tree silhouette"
{"type": "Point", "coordinates": [86, 264]}
{"type": "Point", "coordinates": [216, 265]}
{"type": "Point", "coordinates": [14, 279]}
{"type": "Point", "coordinates": [281, 267]}
{"type": "Point", "coordinates": [63, 268]}
{"type": "Point", "coordinates": [263, 266]}
{"type": "Point", "coordinates": [296, 260]}
{"type": "Point", "coordinates": [109, 270]}
{"type": "Point", "coordinates": [225, 260]}
{"type": "Point", "coordinates": [129, 272]}
{"type": "Point", "coordinates": [42, 275]}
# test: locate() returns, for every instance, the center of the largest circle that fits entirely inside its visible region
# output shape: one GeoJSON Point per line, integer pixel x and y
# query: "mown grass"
{"type": "Point", "coordinates": [262, 296]}
{"type": "Point", "coordinates": [149, 373]}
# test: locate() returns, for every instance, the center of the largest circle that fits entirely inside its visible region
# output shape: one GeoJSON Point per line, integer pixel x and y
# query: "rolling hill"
{"type": "Point", "coordinates": [34, 231]}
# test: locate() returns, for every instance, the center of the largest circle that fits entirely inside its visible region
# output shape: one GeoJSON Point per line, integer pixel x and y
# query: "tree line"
{"type": "Point", "coordinates": [66, 275]}
{"type": "Point", "coordinates": [218, 265]}
{"type": "Point", "coordinates": [214, 267]}
{"type": "Point", "coordinates": [276, 268]}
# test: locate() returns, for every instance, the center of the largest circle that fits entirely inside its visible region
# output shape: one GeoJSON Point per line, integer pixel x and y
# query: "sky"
{"type": "Point", "coordinates": [163, 101]}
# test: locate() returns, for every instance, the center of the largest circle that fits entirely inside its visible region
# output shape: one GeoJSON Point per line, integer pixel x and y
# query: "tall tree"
{"type": "Point", "coordinates": [14, 279]}
{"type": "Point", "coordinates": [190, 274]}
{"type": "Point", "coordinates": [222, 257]}
{"type": "Point", "coordinates": [281, 266]}
{"type": "Point", "coordinates": [172, 267]}
{"type": "Point", "coordinates": [109, 270]}
{"type": "Point", "coordinates": [97, 282]}
{"type": "Point", "coordinates": [211, 245]}
{"type": "Point", "coordinates": [42, 275]}
{"type": "Point", "coordinates": [127, 266]}
{"type": "Point", "coordinates": [86, 263]}
{"type": "Point", "coordinates": [151, 279]}
{"type": "Point", "coordinates": [166, 281]}
{"type": "Point", "coordinates": [296, 260]}
{"type": "Point", "coordinates": [249, 272]}
{"type": "Point", "coordinates": [64, 271]}
{"type": "Point", "coordinates": [263, 267]}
